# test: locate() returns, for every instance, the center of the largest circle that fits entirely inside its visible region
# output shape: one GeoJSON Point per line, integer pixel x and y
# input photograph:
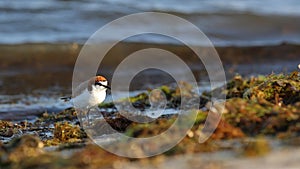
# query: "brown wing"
{"type": "Point", "coordinates": [80, 88]}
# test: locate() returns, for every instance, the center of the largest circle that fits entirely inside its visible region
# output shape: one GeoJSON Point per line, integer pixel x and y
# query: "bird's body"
{"type": "Point", "coordinates": [88, 99]}
{"type": "Point", "coordinates": [89, 94]}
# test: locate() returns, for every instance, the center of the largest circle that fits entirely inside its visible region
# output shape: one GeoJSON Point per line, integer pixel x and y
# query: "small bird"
{"type": "Point", "coordinates": [89, 94]}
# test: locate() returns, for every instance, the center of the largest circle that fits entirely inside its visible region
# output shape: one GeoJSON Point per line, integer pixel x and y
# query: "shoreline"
{"type": "Point", "coordinates": [46, 69]}
{"type": "Point", "coordinates": [39, 66]}
{"type": "Point", "coordinates": [42, 52]}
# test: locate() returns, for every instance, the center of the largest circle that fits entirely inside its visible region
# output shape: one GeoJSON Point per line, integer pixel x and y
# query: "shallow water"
{"type": "Point", "coordinates": [232, 22]}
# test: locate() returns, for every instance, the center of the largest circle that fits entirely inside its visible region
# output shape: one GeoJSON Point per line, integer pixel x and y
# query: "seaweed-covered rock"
{"type": "Point", "coordinates": [277, 89]}
{"type": "Point", "coordinates": [261, 117]}
{"type": "Point", "coordinates": [6, 128]}
{"type": "Point", "coordinates": [68, 114]}
{"type": "Point", "coordinates": [172, 95]}
{"type": "Point", "coordinates": [65, 132]}
{"type": "Point", "coordinates": [150, 129]}
{"type": "Point", "coordinates": [264, 105]}
{"type": "Point", "coordinates": [20, 149]}
{"type": "Point", "coordinates": [255, 147]}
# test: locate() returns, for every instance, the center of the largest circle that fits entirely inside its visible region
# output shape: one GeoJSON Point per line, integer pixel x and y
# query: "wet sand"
{"type": "Point", "coordinates": [225, 160]}
{"type": "Point", "coordinates": [28, 67]}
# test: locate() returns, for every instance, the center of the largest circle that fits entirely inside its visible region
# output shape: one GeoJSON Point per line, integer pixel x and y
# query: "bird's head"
{"type": "Point", "coordinates": [98, 82]}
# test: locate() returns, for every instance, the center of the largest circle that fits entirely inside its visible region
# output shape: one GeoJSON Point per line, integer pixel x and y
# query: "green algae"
{"type": "Point", "coordinates": [149, 129]}
{"type": "Point", "coordinates": [190, 143]}
{"type": "Point", "coordinates": [278, 89]}
{"type": "Point", "coordinates": [258, 146]}
{"type": "Point", "coordinates": [275, 88]}
{"type": "Point", "coordinates": [68, 114]}
{"type": "Point", "coordinates": [261, 117]}
{"type": "Point", "coordinates": [172, 94]}
{"type": "Point", "coordinates": [65, 132]}
{"type": "Point", "coordinates": [6, 129]}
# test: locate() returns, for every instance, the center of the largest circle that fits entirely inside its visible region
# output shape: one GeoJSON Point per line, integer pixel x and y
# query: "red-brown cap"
{"type": "Point", "coordinates": [100, 79]}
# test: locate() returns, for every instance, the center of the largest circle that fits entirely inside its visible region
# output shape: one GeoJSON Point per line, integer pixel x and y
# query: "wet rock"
{"type": "Point", "coordinates": [6, 128]}
{"type": "Point", "coordinates": [65, 132]}
{"type": "Point", "coordinates": [261, 117]}
{"type": "Point", "coordinates": [21, 148]}
{"type": "Point", "coordinates": [256, 147]}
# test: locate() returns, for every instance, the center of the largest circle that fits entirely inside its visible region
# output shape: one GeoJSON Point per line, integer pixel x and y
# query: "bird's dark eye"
{"type": "Point", "coordinates": [100, 84]}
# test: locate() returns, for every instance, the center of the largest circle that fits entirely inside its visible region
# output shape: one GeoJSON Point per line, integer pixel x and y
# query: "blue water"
{"type": "Point", "coordinates": [231, 22]}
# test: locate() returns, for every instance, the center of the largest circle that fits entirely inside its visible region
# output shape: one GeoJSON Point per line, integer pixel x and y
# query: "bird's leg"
{"type": "Point", "coordinates": [80, 117]}
{"type": "Point", "coordinates": [97, 108]}
{"type": "Point", "coordinates": [88, 116]}
{"type": "Point", "coordinates": [104, 115]}
{"type": "Point", "coordinates": [80, 121]}
{"type": "Point", "coordinates": [99, 111]}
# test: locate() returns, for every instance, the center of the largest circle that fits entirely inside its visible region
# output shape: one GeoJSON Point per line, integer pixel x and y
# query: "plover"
{"type": "Point", "coordinates": [89, 94]}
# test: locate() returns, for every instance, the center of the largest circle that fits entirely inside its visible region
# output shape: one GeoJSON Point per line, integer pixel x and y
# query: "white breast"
{"type": "Point", "coordinates": [88, 99]}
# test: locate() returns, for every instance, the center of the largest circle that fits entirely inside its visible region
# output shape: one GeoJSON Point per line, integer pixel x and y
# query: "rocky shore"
{"type": "Point", "coordinates": [261, 119]}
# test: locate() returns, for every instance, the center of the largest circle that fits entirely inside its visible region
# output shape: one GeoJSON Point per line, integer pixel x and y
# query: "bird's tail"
{"type": "Point", "coordinates": [68, 98]}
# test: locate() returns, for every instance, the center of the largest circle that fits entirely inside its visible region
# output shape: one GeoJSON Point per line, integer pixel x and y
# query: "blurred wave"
{"type": "Point", "coordinates": [232, 22]}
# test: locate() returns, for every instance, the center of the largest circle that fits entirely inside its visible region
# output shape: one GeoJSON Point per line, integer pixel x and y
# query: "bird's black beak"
{"type": "Point", "coordinates": [100, 84]}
